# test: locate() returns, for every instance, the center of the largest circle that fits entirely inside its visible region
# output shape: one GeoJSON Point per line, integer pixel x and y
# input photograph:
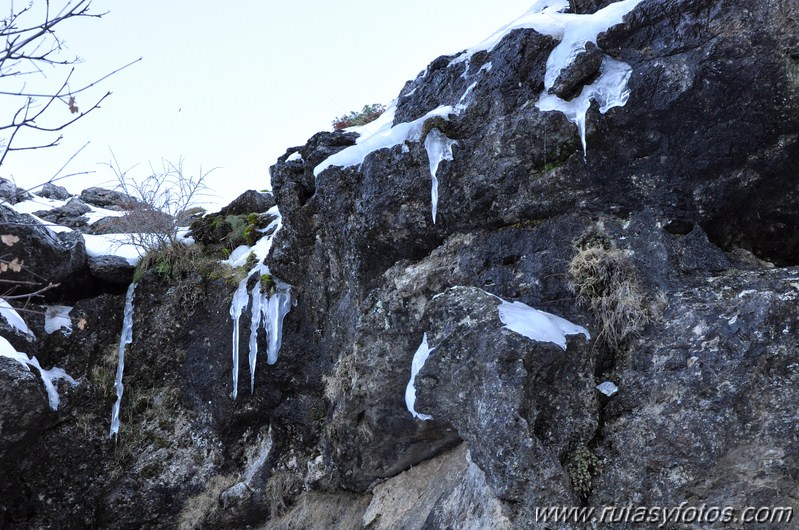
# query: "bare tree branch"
{"type": "Point", "coordinates": [31, 50]}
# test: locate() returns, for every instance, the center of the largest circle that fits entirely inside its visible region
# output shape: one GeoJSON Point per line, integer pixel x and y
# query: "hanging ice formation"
{"type": "Point", "coordinates": [419, 358]}
{"type": "Point", "coordinates": [271, 301]}
{"type": "Point", "coordinates": [268, 309]}
{"type": "Point", "coordinates": [125, 338]}
{"type": "Point", "coordinates": [439, 148]}
{"type": "Point", "coordinates": [610, 88]}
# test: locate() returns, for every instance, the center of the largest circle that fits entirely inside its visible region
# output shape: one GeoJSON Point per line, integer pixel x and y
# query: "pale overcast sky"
{"type": "Point", "coordinates": [234, 84]}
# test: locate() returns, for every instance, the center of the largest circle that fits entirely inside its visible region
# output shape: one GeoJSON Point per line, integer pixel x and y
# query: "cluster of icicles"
{"type": "Point", "coordinates": [268, 309]}
{"type": "Point", "coordinates": [267, 313]}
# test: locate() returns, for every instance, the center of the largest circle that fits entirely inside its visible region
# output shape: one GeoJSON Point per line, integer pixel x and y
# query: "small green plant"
{"type": "Point", "coordinates": [252, 261]}
{"type": "Point", "coordinates": [582, 467]}
{"type": "Point", "coordinates": [268, 284]}
{"type": "Point", "coordinates": [367, 114]}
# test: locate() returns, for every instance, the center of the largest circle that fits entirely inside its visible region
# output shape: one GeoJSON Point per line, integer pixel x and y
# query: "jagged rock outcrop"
{"type": "Point", "coordinates": [672, 238]}
{"type": "Point", "coordinates": [248, 202]}
{"type": "Point", "coordinates": [515, 200]}
{"type": "Point", "coordinates": [53, 191]}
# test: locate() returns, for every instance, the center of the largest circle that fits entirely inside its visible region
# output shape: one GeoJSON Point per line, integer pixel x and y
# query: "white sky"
{"type": "Point", "coordinates": [234, 84]}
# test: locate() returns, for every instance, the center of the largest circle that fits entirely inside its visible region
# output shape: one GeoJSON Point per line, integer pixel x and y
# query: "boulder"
{"type": "Point", "coordinates": [250, 201]}
{"type": "Point", "coordinates": [571, 79]}
{"type": "Point", "coordinates": [11, 193]}
{"type": "Point", "coordinates": [46, 257]}
{"type": "Point", "coordinates": [52, 191]}
{"type": "Point", "coordinates": [112, 200]}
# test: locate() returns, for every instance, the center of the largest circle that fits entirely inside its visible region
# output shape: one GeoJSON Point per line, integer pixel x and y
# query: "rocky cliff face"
{"type": "Point", "coordinates": [672, 238]}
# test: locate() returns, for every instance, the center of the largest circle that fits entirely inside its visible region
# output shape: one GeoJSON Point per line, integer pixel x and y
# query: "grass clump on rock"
{"type": "Point", "coordinates": [605, 277]}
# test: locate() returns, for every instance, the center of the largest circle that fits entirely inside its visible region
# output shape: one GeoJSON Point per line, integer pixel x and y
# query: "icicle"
{"type": "Point", "coordinates": [610, 88]}
{"type": "Point", "coordinates": [255, 323]}
{"type": "Point", "coordinates": [439, 148]}
{"type": "Point", "coordinates": [125, 338]}
{"type": "Point", "coordinates": [267, 310]}
{"type": "Point", "coordinates": [419, 358]}
{"type": "Point", "coordinates": [278, 306]}
{"type": "Point", "coordinates": [240, 300]}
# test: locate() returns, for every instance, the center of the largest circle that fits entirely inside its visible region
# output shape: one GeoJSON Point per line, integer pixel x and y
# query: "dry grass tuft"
{"type": "Point", "coordinates": [606, 279]}
{"type": "Point", "coordinates": [199, 508]}
{"type": "Point", "coordinates": [282, 489]}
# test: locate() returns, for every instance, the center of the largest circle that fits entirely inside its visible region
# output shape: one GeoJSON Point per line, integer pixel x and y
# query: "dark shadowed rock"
{"type": "Point", "coordinates": [47, 257]}
{"type": "Point", "coordinates": [24, 411]}
{"type": "Point", "coordinates": [111, 269]}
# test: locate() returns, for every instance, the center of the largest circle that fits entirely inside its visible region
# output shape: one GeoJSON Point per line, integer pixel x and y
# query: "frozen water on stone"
{"type": "Point", "coordinates": [240, 301]}
{"type": "Point", "coordinates": [608, 388]}
{"type": "Point", "coordinates": [294, 156]}
{"type": "Point", "coordinates": [57, 317]}
{"type": "Point", "coordinates": [580, 29]}
{"type": "Point", "coordinates": [37, 204]}
{"type": "Point", "coordinates": [13, 318]}
{"type": "Point", "coordinates": [609, 90]}
{"type": "Point", "coordinates": [384, 121]}
{"type": "Point", "coordinates": [238, 257]}
{"type": "Point", "coordinates": [125, 338]}
{"type": "Point", "coordinates": [48, 376]}
{"type": "Point", "coordinates": [278, 306]}
{"type": "Point", "coordinates": [419, 358]}
{"type": "Point", "coordinates": [383, 137]}
{"type": "Point", "coordinates": [7, 350]}
{"type": "Point", "coordinates": [544, 16]}
{"type": "Point", "coordinates": [97, 213]}
{"type": "Point", "coordinates": [258, 298]}
{"type": "Point", "coordinates": [266, 310]}
{"type": "Point", "coordinates": [537, 325]}
{"type": "Point", "coordinates": [439, 148]}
